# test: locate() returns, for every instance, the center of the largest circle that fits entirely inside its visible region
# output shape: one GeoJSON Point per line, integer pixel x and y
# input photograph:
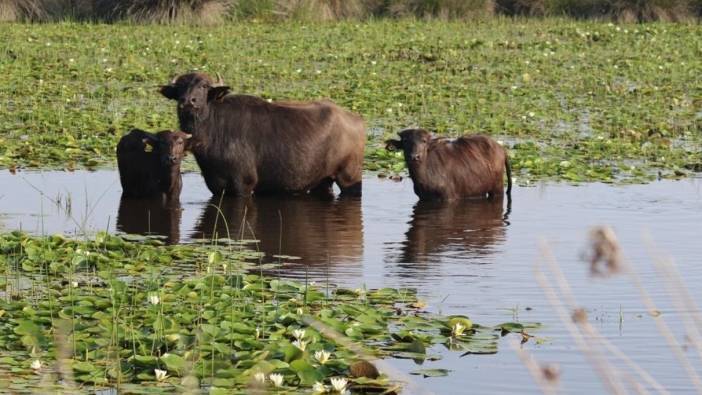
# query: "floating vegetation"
{"type": "Point", "coordinates": [571, 100]}
{"type": "Point", "coordinates": [142, 317]}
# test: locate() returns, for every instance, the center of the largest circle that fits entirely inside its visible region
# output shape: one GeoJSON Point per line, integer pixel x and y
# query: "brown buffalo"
{"type": "Point", "coordinates": [149, 164]}
{"type": "Point", "coordinates": [245, 144]}
{"type": "Point", "coordinates": [450, 169]}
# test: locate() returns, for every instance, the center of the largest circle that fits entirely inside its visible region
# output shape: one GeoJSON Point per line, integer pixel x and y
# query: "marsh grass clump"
{"type": "Point", "coordinates": [651, 10]}
{"type": "Point", "coordinates": [620, 10]}
{"type": "Point", "coordinates": [321, 10]}
{"type": "Point", "coordinates": [21, 10]}
{"type": "Point", "coordinates": [441, 9]}
{"type": "Point", "coordinates": [248, 9]}
{"type": "Point", "coordinates": [200, 12]}
{"type": "Point", "coordinates": [69, 10]}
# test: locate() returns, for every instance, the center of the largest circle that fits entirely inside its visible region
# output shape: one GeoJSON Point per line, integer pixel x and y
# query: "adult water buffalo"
{"type": "Point", "coordinates": [245, 144]}
{"type": "Point", "coordinates": [450, 169]}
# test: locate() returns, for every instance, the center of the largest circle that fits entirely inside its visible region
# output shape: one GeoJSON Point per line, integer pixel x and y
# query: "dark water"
{"type": "Point", "coordinates": [468, 258]}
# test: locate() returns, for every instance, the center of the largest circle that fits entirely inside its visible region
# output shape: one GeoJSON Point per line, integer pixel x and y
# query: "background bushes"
{"type": "Point", "coordinates": [218, 11]}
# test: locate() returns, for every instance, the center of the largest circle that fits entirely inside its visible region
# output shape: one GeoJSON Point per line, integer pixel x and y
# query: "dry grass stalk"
{"type": "Point", "coordinates": [680, 296]}
{"type": "Point", "coordinates": [605, 253]}
{"type": "Point", "coordinates": [606, 248]}
{"type": "Point", "coordinates": [201, 12]}
{"type": "Point", "coordinates": [664, 328]}
{"type": "Point", "coordinates": [546, 377]}
{"type": "Point", "coordinates": [20, 10]}
{"type": "Point", "coordinates": [607, 372]}
{"type": "Point", "coordinates": [441, 9]}
{"type": "Point", "coordinates": [321, 10]}
{"type": "Point", "coordinates": [606, 258]}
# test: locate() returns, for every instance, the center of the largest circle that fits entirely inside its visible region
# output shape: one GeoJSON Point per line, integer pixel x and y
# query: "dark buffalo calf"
{"type": "Point", "coordinates": [149, 164]}
{"type": "Point", "coordinates": [450, 169]}
{"type": "Point", "coordinates": [245, 144]}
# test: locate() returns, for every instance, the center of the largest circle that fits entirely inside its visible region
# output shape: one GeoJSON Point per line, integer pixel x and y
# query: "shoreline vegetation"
{"type": "Point", "coordinates": [572, 100]}
{"type": "Point", "coordinates": [141, 317]}
{"type": "Point", "coordinates": [218, 11]}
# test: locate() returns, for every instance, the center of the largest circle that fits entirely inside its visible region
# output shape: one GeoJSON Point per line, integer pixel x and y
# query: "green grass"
{"type": "Point", "coordinates": [573, 101]}
{"type": "Point", "coordinates": [111, 313]}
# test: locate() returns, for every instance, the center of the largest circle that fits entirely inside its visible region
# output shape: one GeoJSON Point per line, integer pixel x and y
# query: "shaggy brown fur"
{"type": "Point", "coordinates": [245, 144]}
{"type": "Point", "coordinates": [469, 166]}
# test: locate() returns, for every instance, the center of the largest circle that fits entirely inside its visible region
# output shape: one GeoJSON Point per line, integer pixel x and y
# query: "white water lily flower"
{"type": "Point", "coordinates": [154, 299]}
{"type": "Point", "coordinates": [322, 356]}
{"type": "Point", "coordinates": [36, 364]}
{"type": "Point", "coordinates": [299, 334]}
{"type": "Point", "coordinates": [260, 377]}
{"type": "Point", "coordinates": [300, 344]}
{"type": "Point", "coordinates": [339, 384]}
{"type": "Point", "coordinates": [319, 388]}
{"type": "Point", "coordinates": [160, 374]}
{"type": "Point", "coordinates": [458, 329]}
{"type": "Point", "coordinates": [276, 379]}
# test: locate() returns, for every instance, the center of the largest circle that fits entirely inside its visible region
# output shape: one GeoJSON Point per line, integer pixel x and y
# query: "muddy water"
{"type": "Point", "coordinates": [475, 257]}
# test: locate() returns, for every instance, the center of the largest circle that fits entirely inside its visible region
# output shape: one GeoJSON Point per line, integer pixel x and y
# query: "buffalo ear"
{"type": "Point", "coordinates": [217, 92]}
{"type": "Point", "coordinates": [393, 145]}
{"type": "Point", "coordinates": [169, 91]}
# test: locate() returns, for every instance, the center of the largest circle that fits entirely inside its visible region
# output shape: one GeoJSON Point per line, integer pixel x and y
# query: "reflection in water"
{"type": "Point", "coordinates": [558, 213]}
{"type": "Point", "coordinates": [150, 216]}
{"type": "Point", "coordinates": [315, 230]}
{"type": "Point", "coordinates": [471, 228]}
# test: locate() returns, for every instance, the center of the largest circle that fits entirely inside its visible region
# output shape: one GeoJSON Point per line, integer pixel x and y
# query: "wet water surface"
{"type": "Point", "coordinates": [473, 257]}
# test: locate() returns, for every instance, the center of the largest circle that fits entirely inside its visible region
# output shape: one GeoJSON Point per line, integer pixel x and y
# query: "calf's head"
{"type": "Point", "coordinates": [169, 146]}
{"type": "Point", "coordinates": [413, 142]}
{"type": "Point", "coordinates": [194, 92]}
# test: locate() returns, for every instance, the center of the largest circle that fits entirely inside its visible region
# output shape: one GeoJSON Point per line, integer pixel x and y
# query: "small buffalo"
{"type": "Point", "coordinates": [245, 144]}
{"type": "Point", "coordinates": [149, 164]}
{"type": "Point", "coordinates": [450, 169]}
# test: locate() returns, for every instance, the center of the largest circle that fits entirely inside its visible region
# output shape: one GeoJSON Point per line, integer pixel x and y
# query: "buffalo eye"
{"type": "Point", "coordinates": [205, 86]}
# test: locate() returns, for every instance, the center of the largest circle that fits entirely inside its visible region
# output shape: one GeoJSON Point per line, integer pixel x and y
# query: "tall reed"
{"type": "Point", "coordinates": [202, 12]}
{"type": "Point", "coordinates": [21, 10]}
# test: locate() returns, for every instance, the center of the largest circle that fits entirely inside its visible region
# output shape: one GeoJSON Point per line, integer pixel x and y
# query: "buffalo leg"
{"type": "Point", "coordinates": [349, 179]}
{"type": "Point", "coordinates": [324, 189]}
{"type": "Point", "coordinates": [216, 185]}
{"type": "Point", "coordinates": [353, 190]}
